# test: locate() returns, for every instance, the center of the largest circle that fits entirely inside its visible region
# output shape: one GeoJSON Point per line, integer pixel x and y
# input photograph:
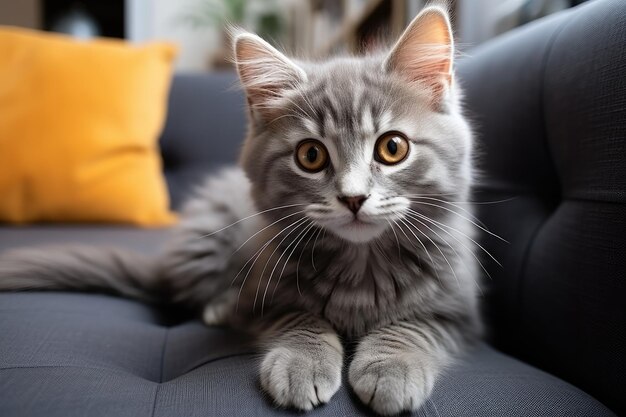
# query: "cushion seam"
{"type": "Point", "coordinates": [158, 387]}
{"type": "Point", "coordinates": [220, 358]}
{"type": "Point", "coordinates": [165, 338]}
{"type": "Point", "coordinates": [154, 401]}
{"type": "Point", "coordinates": [535, 233]}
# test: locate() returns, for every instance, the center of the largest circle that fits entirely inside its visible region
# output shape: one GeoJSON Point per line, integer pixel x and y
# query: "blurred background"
{"type": "Point", "coordinates": [314, 28]}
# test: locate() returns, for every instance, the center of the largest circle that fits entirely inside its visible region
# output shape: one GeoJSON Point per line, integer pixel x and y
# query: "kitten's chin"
{"type": "Point", "coordinates": [358, 232]}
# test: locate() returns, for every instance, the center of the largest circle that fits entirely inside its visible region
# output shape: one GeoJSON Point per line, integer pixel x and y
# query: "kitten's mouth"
{"type": "Point", "coordinates": [358, 230]}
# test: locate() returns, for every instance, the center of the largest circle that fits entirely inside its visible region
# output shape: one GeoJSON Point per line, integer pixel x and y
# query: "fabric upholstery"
{"type": "Point", "coordinates": [549, 106]}
{"type": "Point", "coordinates": [547, 102]}
{"type": "Point", "coordinates": [204, 130]}
{"type": "Point", "coordinates": [84, 355]}
{"type": "Point", "coordinates": [78, 137]}
{"type": "Point", "coordinates": [146, 241]}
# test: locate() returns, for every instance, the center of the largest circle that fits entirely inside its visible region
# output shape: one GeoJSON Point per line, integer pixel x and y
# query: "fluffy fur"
{"type": "Point", "coordinates": [270, 247]}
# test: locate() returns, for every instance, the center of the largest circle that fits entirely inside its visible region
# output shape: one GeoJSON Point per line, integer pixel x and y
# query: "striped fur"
{"type": "Point", "coordinates": [269, 247]}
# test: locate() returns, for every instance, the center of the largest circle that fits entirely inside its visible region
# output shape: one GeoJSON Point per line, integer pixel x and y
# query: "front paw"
{"type": "Point", "coordinates": [301, 379]}
{"type": "Point", "coordinates": [391, 384]}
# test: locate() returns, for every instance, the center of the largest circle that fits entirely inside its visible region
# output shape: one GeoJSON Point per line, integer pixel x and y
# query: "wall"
{"type": "Point", "coordinates": [160, 19]}
{"type": "Point", "coordinates": [23, 13]}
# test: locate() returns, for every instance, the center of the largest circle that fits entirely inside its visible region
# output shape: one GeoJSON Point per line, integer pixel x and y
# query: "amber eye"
{"type": "Point", "coordinates": [391, 148]}
{"type": "Point", "coordinates": [311, 155]}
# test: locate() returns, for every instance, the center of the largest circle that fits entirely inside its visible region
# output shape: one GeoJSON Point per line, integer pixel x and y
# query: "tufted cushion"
{"type": "Point", "coordinates": [549, 105]}
{"type": "Point", "coordinates": [84, 355]}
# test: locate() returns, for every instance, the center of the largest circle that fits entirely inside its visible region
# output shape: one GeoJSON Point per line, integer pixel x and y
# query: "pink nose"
{"type": "Point", "coordinates": [354, 203]}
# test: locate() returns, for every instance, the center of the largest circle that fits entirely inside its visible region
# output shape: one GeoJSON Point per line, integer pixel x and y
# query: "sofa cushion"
{"type": "Point", "coordinates": [146, 241]}
{"type": "Point", "coordinates": [77, 355]}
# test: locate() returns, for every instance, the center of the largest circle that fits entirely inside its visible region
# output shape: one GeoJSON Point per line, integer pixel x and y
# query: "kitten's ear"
{"type": "Point", "coordinates": [424, 53]}
{"type": "Point", "coordinates": [264, 72]}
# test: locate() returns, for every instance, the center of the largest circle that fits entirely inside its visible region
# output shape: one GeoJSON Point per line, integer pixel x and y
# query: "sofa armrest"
{"type": "Point", "coordinates": [548, 102]}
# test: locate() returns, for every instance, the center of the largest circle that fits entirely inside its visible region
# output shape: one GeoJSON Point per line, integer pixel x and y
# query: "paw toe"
{"type": "Point", "coordinates": [389, 387]}
{"type": "Point", "coordinates": [294, 380]}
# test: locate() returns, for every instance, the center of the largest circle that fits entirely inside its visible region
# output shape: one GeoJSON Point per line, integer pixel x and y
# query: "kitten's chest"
{"type": "Point", "coordinates": [354, 294]}
{"type": "Point", "coordinates": [354, 289]}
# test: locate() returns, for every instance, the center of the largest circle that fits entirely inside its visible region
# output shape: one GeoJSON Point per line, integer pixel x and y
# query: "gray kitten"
{"type": "Point", "coordinates": [358, 169]}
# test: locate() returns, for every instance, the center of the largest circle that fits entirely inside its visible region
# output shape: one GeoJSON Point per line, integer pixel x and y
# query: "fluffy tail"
{"type": "Point", "coordinates": [74, 268]}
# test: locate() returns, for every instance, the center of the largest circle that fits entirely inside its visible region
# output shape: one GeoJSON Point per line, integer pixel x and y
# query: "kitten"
{"type": "Point", "coordinates": [357, 169]}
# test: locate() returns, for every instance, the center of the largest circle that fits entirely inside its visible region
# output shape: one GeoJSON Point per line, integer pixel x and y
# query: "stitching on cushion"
{"type": "Point", "coordinates": [165, 339]}
{"type": "Point", "coordinates": [234, 355]}
{"type": "Point", "coordinates": [156, 395]}
{"type": "Point", "coordinates": [158, 387]}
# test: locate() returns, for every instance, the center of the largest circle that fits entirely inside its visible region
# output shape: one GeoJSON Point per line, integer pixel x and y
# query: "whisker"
{"type": "Point", "coordinates": [405, 235]}
{"type": "Point", "coordinates": [300, 258]}
{"type": "Point", "coordinates": [426, 195]}
{"type": "Point", "coordinates": [256, 257]}
{"type": "Point", "coordinates": [451, 247]}
{"type": "Point", "coordinates": [414, 215]}
{"type": "Point", "coordinates": [256, 296]}
{"type": "Point", "coordinates": [461, 233]}
{"type": "Point", "coordinates": [300, 237]}
{"type": "Point", "coordinates": [293, 243]}
{"type": "Point", "coordinates": [313, 250]}
{"type": "Point", "coordinates": [249, 217]}
{"type": "Point", "coordinates": [463, 217]}
{"type": "Point", "coordinates": [453, 205]}
{"type": "Point", "coordinates": [397, 240]}
{"type": "Point", "coordinates": [440, 251]}
{"type": "Point", "coordinates": [262, 247]}
{"type": "Point", "coordinates": [426, 250]}
{"type": "Point", "coordinates": [265, 228]}
{"type": "Point", "coordinates": [505, 200]}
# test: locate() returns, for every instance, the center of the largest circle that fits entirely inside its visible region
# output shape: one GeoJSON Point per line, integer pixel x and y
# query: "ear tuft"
{"type": "Point", "coordinates": [264, 72]}
{"type": "Point", "coordinates": [424, 53]}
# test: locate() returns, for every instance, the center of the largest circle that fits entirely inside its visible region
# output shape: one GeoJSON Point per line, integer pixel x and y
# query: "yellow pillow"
{"type": "Point", "coordinates": [79, 126]}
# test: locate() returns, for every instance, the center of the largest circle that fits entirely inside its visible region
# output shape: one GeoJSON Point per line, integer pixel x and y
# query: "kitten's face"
{"type": "Point", "coordinates": [349, 142]}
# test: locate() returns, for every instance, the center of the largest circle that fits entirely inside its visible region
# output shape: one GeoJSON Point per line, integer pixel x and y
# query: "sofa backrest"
{"type": "Point", "coordinates": [204, 130]}
{"type": "Point", "coordinates": [548, 103]}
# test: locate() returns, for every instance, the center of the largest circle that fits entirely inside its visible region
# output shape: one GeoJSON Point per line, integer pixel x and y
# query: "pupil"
{"type": "Point", "coordinates": [392, 146]}
{"type": "Point", "coordinates": [311, 154]}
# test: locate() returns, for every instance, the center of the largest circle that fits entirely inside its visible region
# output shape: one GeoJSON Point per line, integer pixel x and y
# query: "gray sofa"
{"type": "Point", "coordinates": [548, 103]}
